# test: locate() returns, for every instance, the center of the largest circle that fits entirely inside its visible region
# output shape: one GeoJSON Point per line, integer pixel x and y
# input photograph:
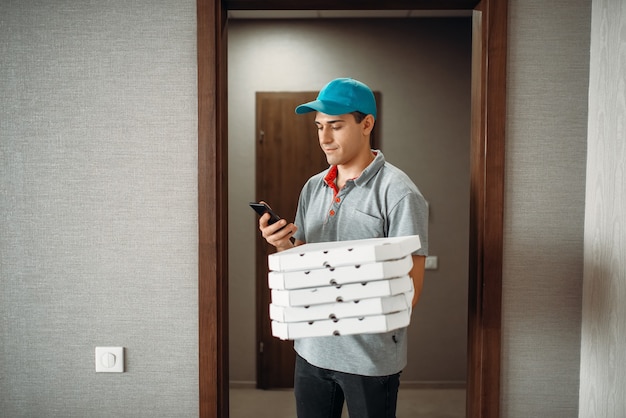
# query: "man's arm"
{"type": "Point", "coordinates": [417, 274]}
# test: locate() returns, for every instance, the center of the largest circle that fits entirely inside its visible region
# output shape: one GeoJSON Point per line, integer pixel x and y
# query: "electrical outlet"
{"type": "Point", "coordinates": [431, 263]}
{"type": "Point", "coordinates": [110, 359]}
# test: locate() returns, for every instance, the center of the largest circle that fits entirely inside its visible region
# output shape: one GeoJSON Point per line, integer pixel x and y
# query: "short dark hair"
{"type": "Point", "coordinates": [358, 116]}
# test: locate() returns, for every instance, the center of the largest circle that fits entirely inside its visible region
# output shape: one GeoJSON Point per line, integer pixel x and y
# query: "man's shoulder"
{"type": "Point", "coordinates": [395, 177]}
{"type": "Point", "coordinates": [391, 169]}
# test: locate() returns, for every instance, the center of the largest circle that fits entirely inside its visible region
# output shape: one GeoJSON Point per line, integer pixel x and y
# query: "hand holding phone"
{"type": "Point", "coordinates": [262, 208]}
{"type": "Point", "coordinates": [281, 239]}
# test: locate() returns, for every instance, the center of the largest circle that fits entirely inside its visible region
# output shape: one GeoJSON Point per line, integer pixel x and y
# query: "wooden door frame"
{"type": "Point", "coordinates": [486, 194]}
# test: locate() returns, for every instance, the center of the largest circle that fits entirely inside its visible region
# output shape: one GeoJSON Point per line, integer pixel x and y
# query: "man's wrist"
{"type": "Point", "coordinates": [287, 246]}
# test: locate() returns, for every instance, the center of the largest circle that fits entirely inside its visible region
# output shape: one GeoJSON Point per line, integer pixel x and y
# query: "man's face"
{"type": "Point", "coordinates": [341, 137]}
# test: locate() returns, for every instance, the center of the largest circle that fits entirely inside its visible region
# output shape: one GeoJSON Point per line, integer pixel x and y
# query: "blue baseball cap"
{"type": "Point", "coordinates": [341, 96]}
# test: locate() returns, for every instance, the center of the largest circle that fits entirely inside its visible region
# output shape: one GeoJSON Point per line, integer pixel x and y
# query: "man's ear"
{"type": "Point", "coordinates": [368, 124]}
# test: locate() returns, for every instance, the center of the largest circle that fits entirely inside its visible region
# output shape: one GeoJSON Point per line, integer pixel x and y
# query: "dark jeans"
{"type": "Point", "coordinates": [320, 393]}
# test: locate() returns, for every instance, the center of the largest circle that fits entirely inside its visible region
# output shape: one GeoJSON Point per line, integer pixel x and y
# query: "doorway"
{"type": "Point", "coordinates": [486, 230]}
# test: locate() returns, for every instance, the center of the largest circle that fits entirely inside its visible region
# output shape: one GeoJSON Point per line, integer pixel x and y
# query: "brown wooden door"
{"type": "Point", "coordinates": [287, 154]}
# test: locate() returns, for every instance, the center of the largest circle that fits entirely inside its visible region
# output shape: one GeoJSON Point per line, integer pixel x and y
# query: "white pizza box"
{"type": "Point", "coordinates": [348, 326]}
{"type": "Point", "coordinates": [343, 253]}
{"type": "Point", "coordinates": [339, 310]}
{"type": "Point", "coordinates": [344, 293]}
{"type": "Point", "coordinates": [333, 276]}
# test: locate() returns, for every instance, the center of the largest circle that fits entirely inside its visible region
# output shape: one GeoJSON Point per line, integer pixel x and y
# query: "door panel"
{"type": "Point", "coordinates": [287, 154]}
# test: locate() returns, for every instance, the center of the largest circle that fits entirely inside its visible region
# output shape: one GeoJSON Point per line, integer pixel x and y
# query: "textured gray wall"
{"type": "Point", "coordinates": [603, 347]}
{"type": "Point", "coordinates": [98, 226]}
{"type": "Point", "coordinates": [548, 70]}
{"type": "Point", "coordinates": [98, 209]}
{"type": "Point", "coordinates": [422, 69]}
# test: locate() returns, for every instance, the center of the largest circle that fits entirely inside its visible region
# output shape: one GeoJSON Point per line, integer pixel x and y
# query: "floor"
{"type": "Point", "coordinates": [412, 403]}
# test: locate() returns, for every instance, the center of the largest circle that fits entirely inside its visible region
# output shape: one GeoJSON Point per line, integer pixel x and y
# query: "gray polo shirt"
{"type": "Point", "coordinates": [381, 202]}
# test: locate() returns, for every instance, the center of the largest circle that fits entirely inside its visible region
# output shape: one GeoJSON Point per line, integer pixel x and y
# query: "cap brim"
{"type": "Point", "coordinates": [326, 107]}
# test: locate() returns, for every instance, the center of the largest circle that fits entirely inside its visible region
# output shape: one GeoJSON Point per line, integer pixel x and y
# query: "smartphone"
{"type": "Point", "coordinates": [262, 208]}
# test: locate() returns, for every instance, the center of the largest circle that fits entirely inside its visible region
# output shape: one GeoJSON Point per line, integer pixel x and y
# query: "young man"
{"type": "Point", "coordinates": [359, 196]}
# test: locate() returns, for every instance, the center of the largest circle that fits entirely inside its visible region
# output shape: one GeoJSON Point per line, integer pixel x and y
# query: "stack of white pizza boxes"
{"type": "Point", "coordinates": [342, 288]}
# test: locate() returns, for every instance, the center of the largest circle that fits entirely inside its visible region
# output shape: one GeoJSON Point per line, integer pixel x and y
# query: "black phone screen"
{"type": "Point", "coordinates": [261, 208]}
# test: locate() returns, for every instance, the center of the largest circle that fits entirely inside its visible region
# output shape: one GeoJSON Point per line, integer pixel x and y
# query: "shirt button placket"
{"type": "Point", "coordinates": [335, 206]}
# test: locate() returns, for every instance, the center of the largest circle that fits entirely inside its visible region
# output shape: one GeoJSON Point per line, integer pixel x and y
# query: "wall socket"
{"type": "Point", "coordinates": [432, 263]}
{"type": "Point", "coordinates": [109, 359]}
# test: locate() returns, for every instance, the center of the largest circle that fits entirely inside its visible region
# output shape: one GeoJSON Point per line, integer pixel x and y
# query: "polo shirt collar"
{"type": "Point", "coordinates": [369, 171]}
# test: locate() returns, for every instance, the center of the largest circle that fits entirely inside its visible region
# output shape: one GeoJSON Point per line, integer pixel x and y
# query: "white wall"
{"type": "Point", "coordinates": [546, 138]}
{"type": "Point", "coordinates": [98, 207]}
{"type": "Point", "coordinates": [422, 69]}
{"type": "Point", "coordinates": [603, 348]}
